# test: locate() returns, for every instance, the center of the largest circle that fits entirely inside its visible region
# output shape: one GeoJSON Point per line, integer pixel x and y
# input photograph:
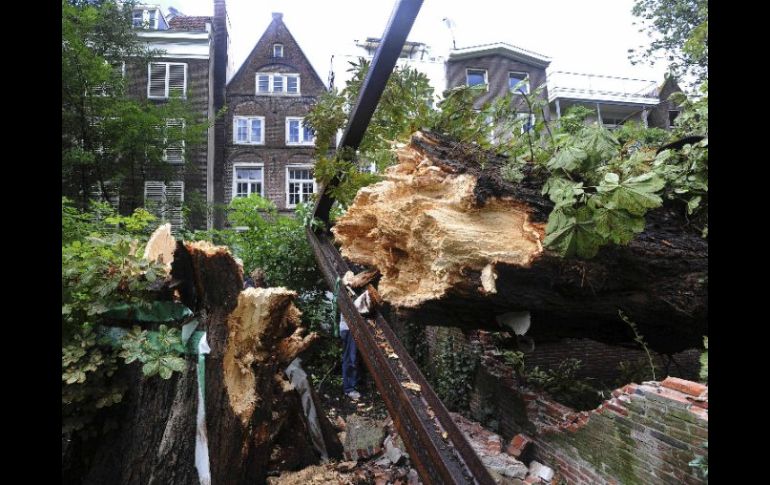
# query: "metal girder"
{"type": "Point", "coordinates": [437, 448]}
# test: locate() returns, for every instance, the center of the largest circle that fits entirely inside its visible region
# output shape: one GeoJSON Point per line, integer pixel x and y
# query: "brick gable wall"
{"type": "Point", "coordinates": [242, 100]}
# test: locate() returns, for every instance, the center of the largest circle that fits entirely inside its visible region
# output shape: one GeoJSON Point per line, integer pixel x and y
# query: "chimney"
{"type": "Point", "coordinates": [277, 16]}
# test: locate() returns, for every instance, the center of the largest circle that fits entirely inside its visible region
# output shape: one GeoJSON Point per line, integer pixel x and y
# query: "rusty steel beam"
{"type": "Point", "coordinates": [439, 451]}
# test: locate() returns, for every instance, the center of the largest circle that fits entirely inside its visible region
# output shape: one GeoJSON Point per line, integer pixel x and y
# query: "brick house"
{"type": "Point", "coordinates": [267, 150]}
{"type": "Point", "coordinates": [502, 67]}
{"type": "Point", "coordinates": [186, 68]}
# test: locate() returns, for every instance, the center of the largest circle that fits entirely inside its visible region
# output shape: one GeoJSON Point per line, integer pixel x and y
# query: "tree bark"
{"type": "Point", "coordinates": [458, 245]}
{"type": "Point", "coordinates": [250, 405]}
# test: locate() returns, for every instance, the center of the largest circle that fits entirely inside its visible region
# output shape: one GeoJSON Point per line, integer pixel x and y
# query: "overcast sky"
{"type": "Point", "coordinates": [590, 36]}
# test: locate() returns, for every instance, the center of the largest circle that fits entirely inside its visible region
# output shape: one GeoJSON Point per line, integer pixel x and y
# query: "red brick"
{"type": "Point", "coordinates": [682, 385]}
{"type": "Point", "coordinates": [518, 445]}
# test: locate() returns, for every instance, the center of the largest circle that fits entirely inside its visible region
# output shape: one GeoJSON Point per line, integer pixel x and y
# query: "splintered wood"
{"type": "Point", "coordinates": [258, 329]}
{"type": "Point", "coordinates": [421, 227]}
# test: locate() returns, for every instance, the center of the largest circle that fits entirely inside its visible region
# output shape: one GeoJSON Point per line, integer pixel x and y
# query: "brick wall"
{"type": "Point", "coordinates": [645, 434]}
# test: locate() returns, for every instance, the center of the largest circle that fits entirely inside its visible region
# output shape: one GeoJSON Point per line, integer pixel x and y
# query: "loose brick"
{"type": "Point", "coordinates": [681, 385]}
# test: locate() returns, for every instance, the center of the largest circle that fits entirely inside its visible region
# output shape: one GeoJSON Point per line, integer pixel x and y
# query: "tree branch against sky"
{"type": "Point", "coordinates": [678, 30]}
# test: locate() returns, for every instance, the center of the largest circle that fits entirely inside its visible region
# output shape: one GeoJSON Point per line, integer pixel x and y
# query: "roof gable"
{"type": "Point", "coordinates": [261, 58]}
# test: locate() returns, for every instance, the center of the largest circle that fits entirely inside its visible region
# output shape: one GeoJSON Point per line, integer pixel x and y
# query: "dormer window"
{"type": "Point", "coordinates": [476, 77]}
{"type": "Point", "coordinates": [145, 18]}
{"type": "Point", "coordinates": [277, 50]}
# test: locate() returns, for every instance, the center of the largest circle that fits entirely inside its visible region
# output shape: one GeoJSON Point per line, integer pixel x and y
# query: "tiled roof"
{"type": "Point", "coordinates": [189, 23]}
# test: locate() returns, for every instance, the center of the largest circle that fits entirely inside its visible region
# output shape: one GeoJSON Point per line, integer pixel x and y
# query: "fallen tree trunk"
{"type": "Point", "coordinates": [458, 245]}
{"type": "Point", "coordinates": [254, 417]}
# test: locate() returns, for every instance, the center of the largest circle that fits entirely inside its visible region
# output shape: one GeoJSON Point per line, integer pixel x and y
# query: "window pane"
{"type": "Point", "coordinates": [256, 131]}
{"type": "Point", "coordinates": [242, 189]}
{"type": "Point", "coordinates": [308, 134]}
{"type": "Point", "coordinates": [264, 84]}
{"type": "Point", "coordinates": [291, 84]}
{"type": "Point", "coordinates": [277, 50]}
{"type": "Point", "coordinates": [476, 77]}
{"type": "Point", "coordinates": [243, 133]}
{"type": "Point", "coordinates": [277, 84]}
{"type": "Point", "coordinates": [515, 78]}
{"type": "Point", "coordinates": [294, 131]}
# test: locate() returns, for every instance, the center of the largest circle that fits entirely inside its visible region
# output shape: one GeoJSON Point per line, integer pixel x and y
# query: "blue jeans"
{"type": "Point", "coordinates": [350, 377]}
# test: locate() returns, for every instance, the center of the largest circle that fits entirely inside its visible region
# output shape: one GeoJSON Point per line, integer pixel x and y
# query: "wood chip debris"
{"type": "Point", "coordinates": [412, 386]}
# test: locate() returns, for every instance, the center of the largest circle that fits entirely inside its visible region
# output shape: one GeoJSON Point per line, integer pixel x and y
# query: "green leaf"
{"type": "Point", "coordinates": [562, 192]}
{"type": "Point", "coordinates": [617, 225]}
{"type": "Point", "coordinates": [165, 372]}
{"type": "Point", "coordinates": [572, 233]}
{"type": "Point", "coordinates": [151, 368]}
{"type": "Point", "coordinates": [174, 363]}
{"type": "Point", "coordinates": [568, 158]}
{"type": "Point", "coordinates": [693, 204]}
{"type": "Point", "coordinates": [636, 194]}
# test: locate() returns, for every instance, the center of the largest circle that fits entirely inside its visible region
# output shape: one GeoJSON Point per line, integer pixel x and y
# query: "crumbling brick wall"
{"type": "Point", "coordinates": [645, 434]}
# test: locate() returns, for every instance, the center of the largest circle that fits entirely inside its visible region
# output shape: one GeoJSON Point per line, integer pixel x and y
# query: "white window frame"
{"type": "Point", "coordinates": [238, 165]}
{"type": "Point", "coordinates": [302, 141]}
{"type": "Point", "coordinates": [168, 71]}
{"type": "Point", "coordinates": [271, 83]}
{"type": "Point", "coordinates": [486, 76]}
{"type": "Point", "coordinates": [170, 122]}
{"type": "Point", "coordinates": [278, 45]}
{"type": "Point", "coordinates": [249, 120]}
{"type": "Point", "coordinates": [288, 181]}
{"type": "Point", "coordinates": [526, 78]}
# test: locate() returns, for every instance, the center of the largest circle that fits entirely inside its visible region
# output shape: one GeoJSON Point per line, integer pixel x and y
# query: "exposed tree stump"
{"type": "Point", "coordinates": [458, 245]}
{"type": "Point", "coordinates": [250, 404]}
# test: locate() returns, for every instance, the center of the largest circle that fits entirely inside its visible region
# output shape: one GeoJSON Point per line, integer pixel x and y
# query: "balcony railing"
{"type": "Point", "coordinates": [596, 87]}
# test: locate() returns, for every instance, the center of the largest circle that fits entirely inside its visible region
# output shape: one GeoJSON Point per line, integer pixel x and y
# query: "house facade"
{"type": "Point", "coordinates": [502, 67]}
{"type": "Point", "coordinates": [185, 69]}
{"type": "Point", "coordinates": [267, 148]}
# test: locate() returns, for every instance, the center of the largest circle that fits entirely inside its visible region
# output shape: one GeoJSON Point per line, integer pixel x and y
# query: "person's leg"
{"type": "Point", "coordinates": [349, 367]}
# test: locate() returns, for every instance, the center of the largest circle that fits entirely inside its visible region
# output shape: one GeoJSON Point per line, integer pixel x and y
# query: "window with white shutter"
{"type": "Point", "coordinates": [249, 130]}
{"type": "Point", "coordinates": [174, 151]}
{"type": "Point", "coordinates": [300, 185]}
{"type": "Point", "coordinates": [165, 201]}
{"type": "Point", "coordinates": [113, 198]}
{"type": "Point", "coordinates": [166, 79]}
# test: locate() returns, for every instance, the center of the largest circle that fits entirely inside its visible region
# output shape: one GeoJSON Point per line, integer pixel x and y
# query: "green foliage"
{"type": "Point", "coordinates": [635, 371]}
{"type": "Point", "coordinates": [639, 338]}
{"type": "Point", "coordinates": [678, 29]}
{"type": "Point", "coordinates": [274, 243]}
{"type": "Point", "coordinates": [159, 351]}
{"type": "Point", "coordinates": [454, 371]}
{"type": "Point", "coordinates": [564, 386]}
{"type": "Point", "coordinates": [704, 361]}
{"type": "Point", "coordinates": [405, 106]}
{"type": "Point", "coordinates": [102, 269]}
{"type": "Point", "coordinates": [109, 140]}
